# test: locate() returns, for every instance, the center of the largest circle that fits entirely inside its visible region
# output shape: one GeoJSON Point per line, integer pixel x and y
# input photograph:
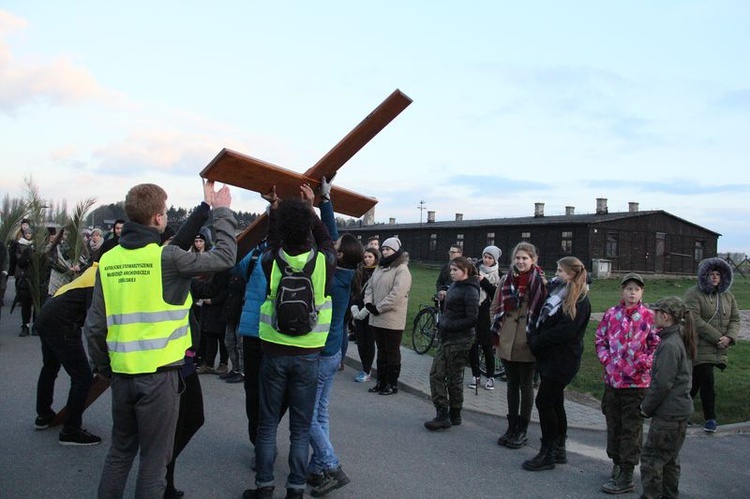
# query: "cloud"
{"type": "Point", "coordinates": [676, 186]}
{"type": "Point", "coordinates": [736, 101]}
{"type": "Point", "coordinates": [56, 82]}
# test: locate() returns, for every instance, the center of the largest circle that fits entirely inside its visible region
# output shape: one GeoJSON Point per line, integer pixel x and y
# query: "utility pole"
{"type": "Point", "coordinates": [422, 206]}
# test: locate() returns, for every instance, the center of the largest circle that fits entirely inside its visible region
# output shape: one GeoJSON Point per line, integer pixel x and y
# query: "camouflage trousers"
{"type": "Point", "coordinates": [660, 461]}
{"type": "Point", "coordinates": [621, 407]}
{"type": "Point", "coordinates": [447, 373]}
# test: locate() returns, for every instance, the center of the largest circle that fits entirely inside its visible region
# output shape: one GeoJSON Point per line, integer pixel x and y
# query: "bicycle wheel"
{"type": "Point", "coordinates": [423, 332]}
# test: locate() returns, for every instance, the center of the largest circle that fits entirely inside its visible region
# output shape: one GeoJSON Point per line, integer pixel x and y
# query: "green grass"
{"type": "Point", "coordinates": [731, 385]}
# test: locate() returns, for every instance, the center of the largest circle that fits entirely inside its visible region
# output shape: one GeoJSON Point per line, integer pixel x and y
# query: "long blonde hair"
{"type": "Point", "coordinates": [577, 287]}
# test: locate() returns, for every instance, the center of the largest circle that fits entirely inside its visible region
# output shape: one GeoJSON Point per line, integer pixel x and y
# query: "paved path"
{"type": "Point", "coordinates": [414, 378]}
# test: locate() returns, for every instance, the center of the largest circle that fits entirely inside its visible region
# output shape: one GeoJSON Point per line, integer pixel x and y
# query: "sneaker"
{"type": "Point", "coordinates": [474, 383]}
{"type": "Point", "coordinates": [332, 480]}
{"type": "Point", "coordinates": [362, 377]}
{"type": "Point", "coordinates": [237, 377]}
{"type": "Point", "coordinates": [222, 369]}
{"type": "Point", "coordinates": [294, 494]}
{"type": "Point", "coordinates": [227, 374]}
{"type": "Point", "coordinates": [205, 369]}
{"type": "Point", "coordinates": [78, 437]}
{"type": "Point", "coordinates": [43, 422]}
{"type": "Point", "coordinates": [24, 331]}
{"type": "Point", "coordinates": [710, 426]}
{"type": "Point", "coordinates": [490, 385]}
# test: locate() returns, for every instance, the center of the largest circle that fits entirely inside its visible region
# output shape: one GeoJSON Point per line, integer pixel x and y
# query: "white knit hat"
{"type": "Point", "coordinates": [392, 242]}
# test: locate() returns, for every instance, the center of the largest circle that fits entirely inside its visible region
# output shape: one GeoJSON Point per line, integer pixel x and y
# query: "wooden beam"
{"type": "Point", "coordinates": [260, 176]}
{"type": "Point", "coordinates": [251, 173]}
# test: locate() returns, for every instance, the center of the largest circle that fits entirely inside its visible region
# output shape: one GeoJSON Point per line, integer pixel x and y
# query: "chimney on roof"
{"type": "Point", "coordinates": [369, 217]}
{"type": "Point", "coordinates": [538, 210]}
{"type": "Point", "coordinates": [633, 207]}
{"type": "Point", "coordinates": [391, 221]}
{"type": "Point", "coordinates": [601, 206]}
{"type": "Point", "coordinates": [459, 217]}
{"type": "Point", "coordinates": [430, 217]}
{"type": "Point", "coordinates": [570, 211]}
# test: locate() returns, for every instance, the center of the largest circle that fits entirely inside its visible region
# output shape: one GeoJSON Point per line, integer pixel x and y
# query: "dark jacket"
{"type": "Point", "coordinates": [557, 343]}
{"type": "Point", "coordinates": [459, 318]}
{"type": "Point", "coordinates": [215, 289]}
{"type": "Point", "coordinates": [669, 394]}
{"type": "Point", "coordinates": [443, 281]}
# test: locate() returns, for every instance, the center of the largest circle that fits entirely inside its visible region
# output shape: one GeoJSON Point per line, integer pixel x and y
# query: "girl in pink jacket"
{"type": "Point", "coordinates": [625, 345]}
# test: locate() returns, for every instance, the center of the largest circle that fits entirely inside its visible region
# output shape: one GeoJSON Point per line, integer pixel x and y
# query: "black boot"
{"type": "Point", "coordinates": [441, 422]}
{"type": "Point", "coordinates": [561, 456]}
{"type": "Point", "coordinates": [378, 386]}
{"type": "Point", "coordinates": [545, 460]}
{"type": "Point", "coordinates": [455, 415]}
{"type": "Point", "coordinates": [518, 438]}
{"type": "Point", "coordinates": [512, 422]}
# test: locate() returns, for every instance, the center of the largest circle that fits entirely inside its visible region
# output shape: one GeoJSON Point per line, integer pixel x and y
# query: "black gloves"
{"type": "Point", "coordinates": [372, 309]}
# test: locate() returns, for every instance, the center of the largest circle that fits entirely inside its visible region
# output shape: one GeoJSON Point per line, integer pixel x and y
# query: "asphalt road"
{"type": "Point", "coordinates": [380, 440]}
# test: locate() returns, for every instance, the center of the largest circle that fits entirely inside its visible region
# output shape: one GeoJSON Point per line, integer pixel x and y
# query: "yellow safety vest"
{"type": "Point", "coordinates": [315, 338]}
{"type": "Point", "coordinates": [143, 331]}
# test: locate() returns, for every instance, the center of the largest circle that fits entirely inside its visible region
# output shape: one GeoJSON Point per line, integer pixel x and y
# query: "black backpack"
{"type": "Point", "coordinates": [294, 311]}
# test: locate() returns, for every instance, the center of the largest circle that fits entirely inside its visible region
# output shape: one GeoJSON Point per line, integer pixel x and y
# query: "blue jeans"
{"type": "Point", "coordinates": [292, 377]}
{"type": "Point", "coordinates": [323, 456]}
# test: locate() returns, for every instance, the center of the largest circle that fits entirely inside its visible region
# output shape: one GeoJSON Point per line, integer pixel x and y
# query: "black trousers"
{"type": "Point", "coordinates": [365, 344]}
{"type": "Point", "coordinates": [389, 354]}
{"type": "Point", "coordinates": [550, 403]}
{"type": "Point", "coordinates": [189, 419]}
{"type": "Point", "coordinates": [703, 382]}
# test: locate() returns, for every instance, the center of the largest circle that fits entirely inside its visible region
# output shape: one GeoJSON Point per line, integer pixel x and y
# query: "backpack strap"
{"type": "Point", "coordinates": [251, 264]}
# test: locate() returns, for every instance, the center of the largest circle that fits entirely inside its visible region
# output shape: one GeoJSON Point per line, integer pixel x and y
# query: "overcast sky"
{"type": "Point", "coordinates": [514, 102]}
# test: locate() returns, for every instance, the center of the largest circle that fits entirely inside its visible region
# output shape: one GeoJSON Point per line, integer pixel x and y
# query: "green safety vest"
{"type": "Point", "coordinates": [143, 331]}
{"type": "Point", "coordinates": [315, 338]}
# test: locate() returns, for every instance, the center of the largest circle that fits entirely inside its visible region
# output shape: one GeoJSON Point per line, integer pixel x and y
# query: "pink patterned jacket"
{"type": "Point", "coordinates": [625, 345]}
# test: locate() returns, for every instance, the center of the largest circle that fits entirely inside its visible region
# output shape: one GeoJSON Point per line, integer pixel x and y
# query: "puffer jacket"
{"type": "Point", "coordinates": [669, 394]}
{"type": "Point", "coordinates": [388, 289]}
{"type": "Point", "coordinates": [625, 345]}
{"type": "Point", "coordinates": [459, 318]}
{"type": "Point", "coordinates": [715, 312]}
{"type": "Point", "coordinates": [557, 343]}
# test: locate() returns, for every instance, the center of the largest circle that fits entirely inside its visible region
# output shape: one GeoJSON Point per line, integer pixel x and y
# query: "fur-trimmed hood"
{"type": "Point", "coordinates": [706, 267]}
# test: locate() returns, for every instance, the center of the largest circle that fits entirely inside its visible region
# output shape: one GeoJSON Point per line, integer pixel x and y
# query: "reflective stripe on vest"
{"type": "Point", "coordinates": [315, 338]}
{"type": "Point", "coordinates": [143, 331]}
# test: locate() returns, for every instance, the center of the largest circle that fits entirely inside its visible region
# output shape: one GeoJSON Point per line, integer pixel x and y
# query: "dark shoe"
{"type": "Point", "coordinates": [441, 422]}
{"type": "Point", "coordinates": [545, 460]}
{"type": "Point", "coordinates": [24, 331]}
{"type": "Point", "coordinates": [172, 493]}
{"type": "Point", "coordinates": [295, 493]}
{"type": "Point", "coordinates": [226, 374]}
{"type": "Point", "coordinates": [512, 422]}
{"type": "Point", "coordinates": [388, 390]}
{"type": "Point", "coordinates": [332, 480]}
{"type": "Point", "coordinates": [376, 388]}
{"type": "Point", "coordinates": [518, 439]}
{"type": "Point", "coordinates": [34, 331]}
{"type": "Point", "coordinates": [314, 479]}
{"type": "Point", "coordinates": [222, 369]}
{"type": "Point", "coordinates": [78, 437]}
{"type": "Point", "coordinates": [259, 493]}
{"type": "Point", "coordinates": [455, 416]}
{"type": "Point", "coordinates": [622, 483]}
{"type": "Point", "coordinates": [710, 426]}
{"type": "Point", "coordinates": [238, 377]}
{"type": "Point", "coordinates": [561, 456]}
{"type": "Point", "coordinates": [43, 422]}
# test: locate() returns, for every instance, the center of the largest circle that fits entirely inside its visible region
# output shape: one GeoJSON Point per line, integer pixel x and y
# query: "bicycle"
{"type": "Point", "coordinates": [425, 329]}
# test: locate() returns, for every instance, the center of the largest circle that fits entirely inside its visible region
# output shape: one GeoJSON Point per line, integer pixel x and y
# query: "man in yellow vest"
{"type": "Point", "coordinates": [138, 330]}
{"type": "Point", "coordinates": [289, 366]}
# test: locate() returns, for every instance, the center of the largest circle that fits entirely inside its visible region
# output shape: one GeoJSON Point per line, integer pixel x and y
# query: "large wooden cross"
{"type": "Point", "coordinates": [260, 176]}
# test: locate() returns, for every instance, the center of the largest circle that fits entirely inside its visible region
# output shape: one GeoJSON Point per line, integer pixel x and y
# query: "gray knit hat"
{"type": "Point", "coordinates": [494, 251]}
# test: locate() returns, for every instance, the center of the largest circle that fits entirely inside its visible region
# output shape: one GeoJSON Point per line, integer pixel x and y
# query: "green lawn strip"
{"type": "Point", "coordinates": [732, 385]}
